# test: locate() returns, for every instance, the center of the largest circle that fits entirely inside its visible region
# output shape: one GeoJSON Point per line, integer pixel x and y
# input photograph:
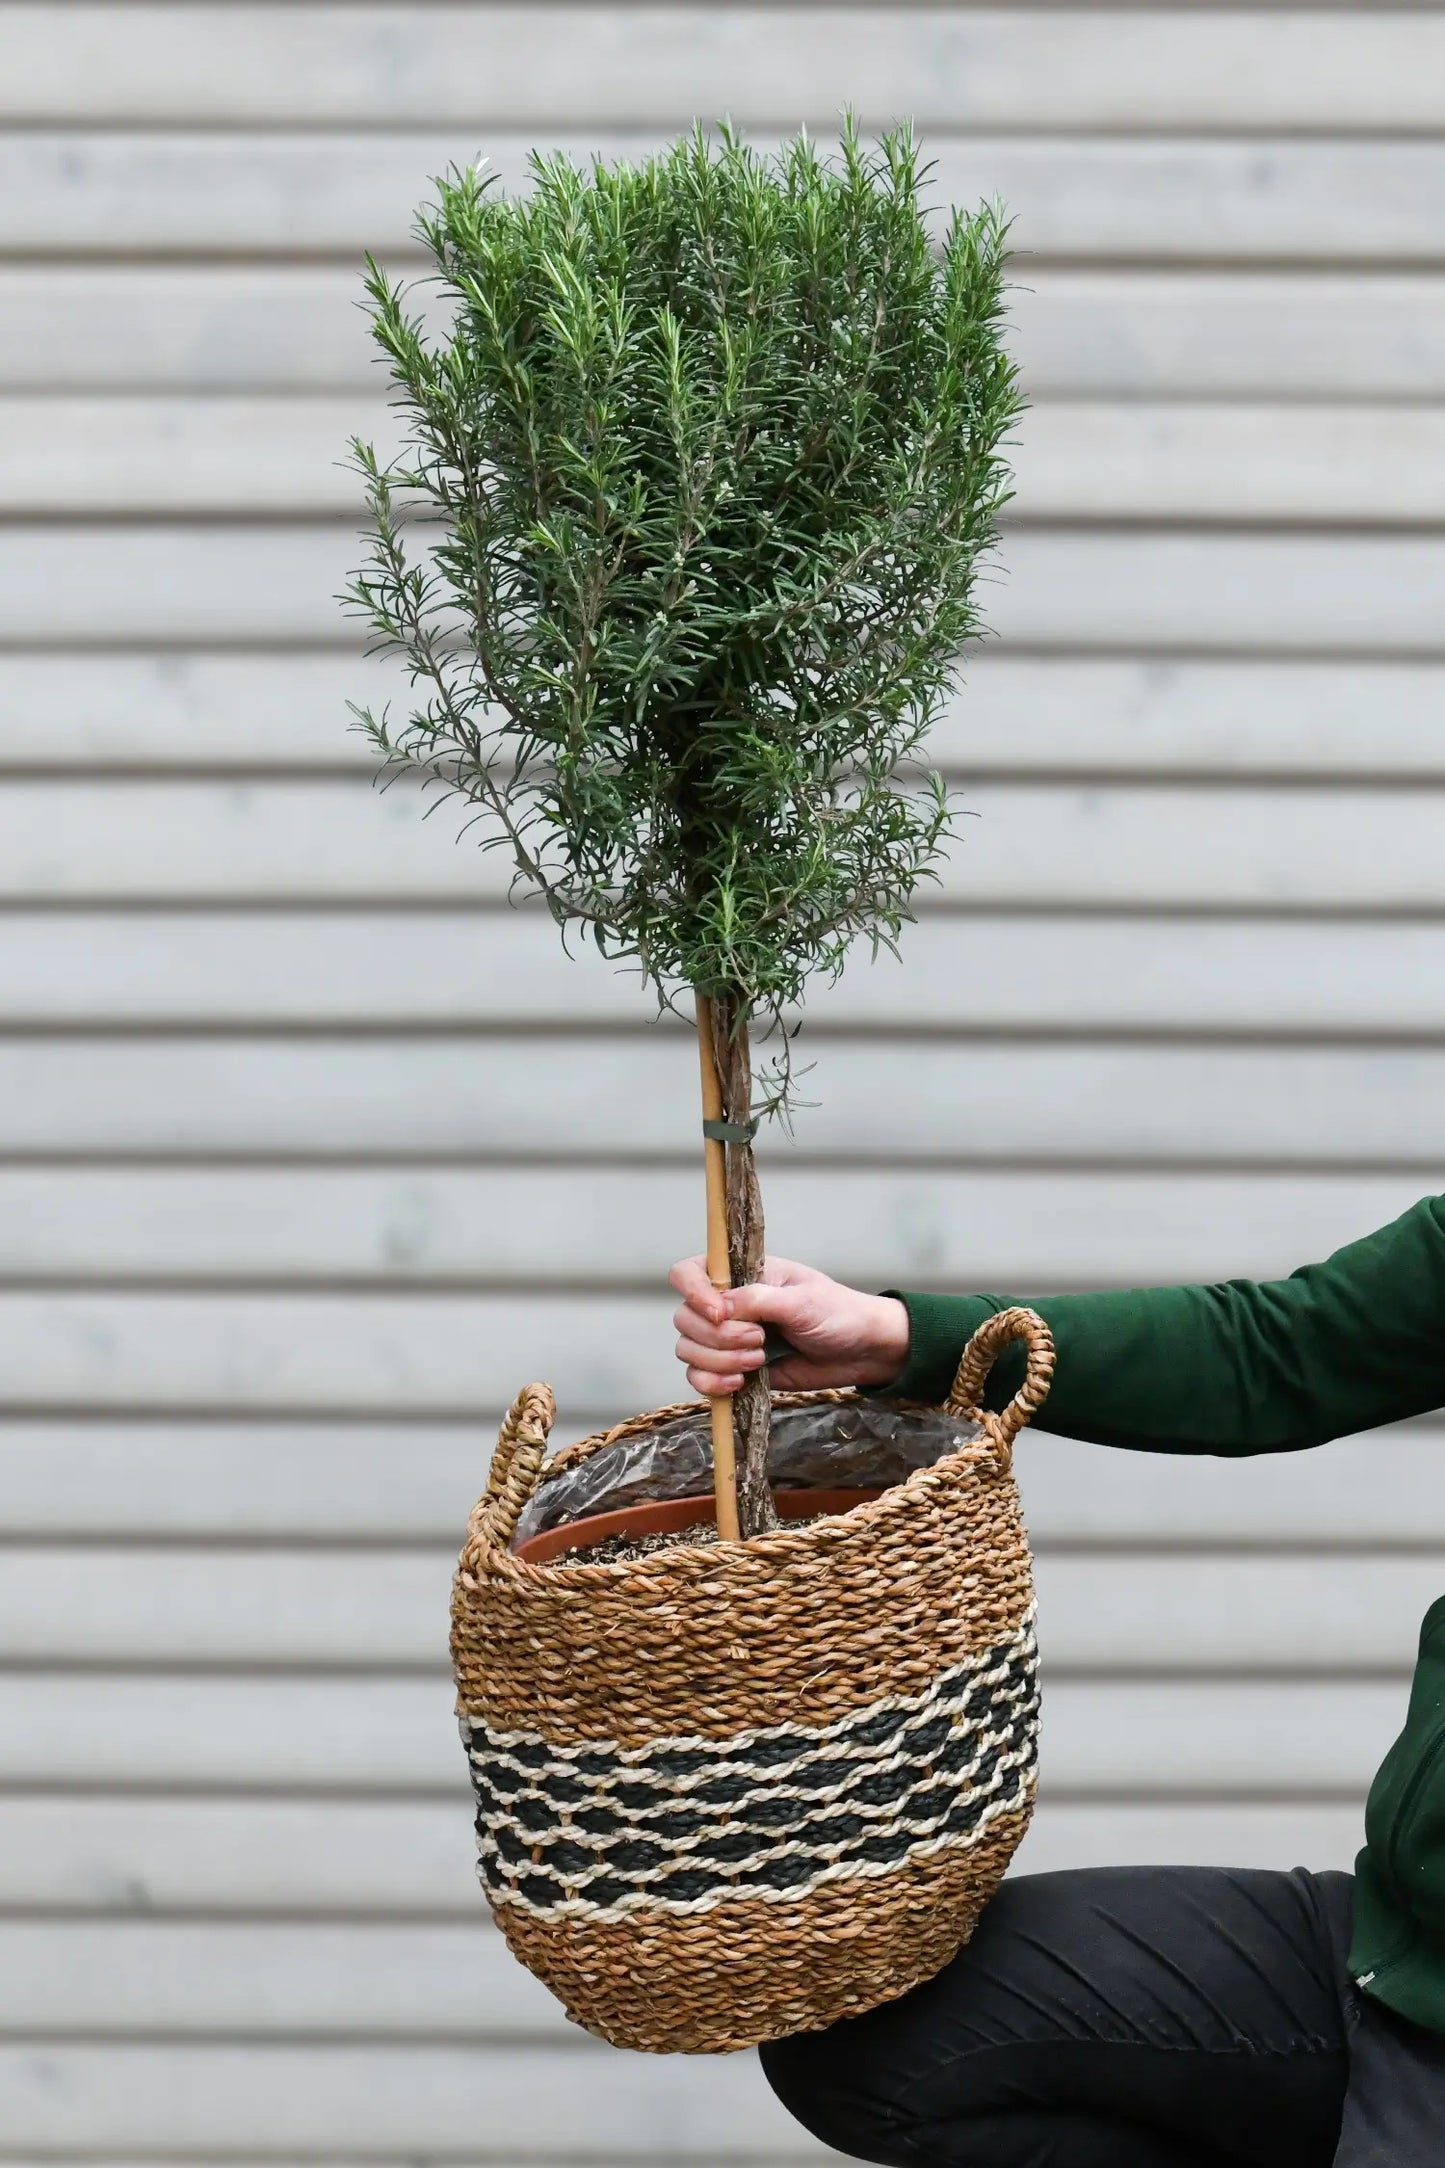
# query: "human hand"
{"type": "Point", "coordinates": [842, 1337]}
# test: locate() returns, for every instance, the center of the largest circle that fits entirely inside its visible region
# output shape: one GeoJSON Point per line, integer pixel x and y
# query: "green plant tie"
{"type": "Point", "coordinates": [730, 1132]}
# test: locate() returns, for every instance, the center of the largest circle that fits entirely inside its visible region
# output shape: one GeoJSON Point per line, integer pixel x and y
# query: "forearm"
{"type": "Point", "coordinates": [1240, 1367]}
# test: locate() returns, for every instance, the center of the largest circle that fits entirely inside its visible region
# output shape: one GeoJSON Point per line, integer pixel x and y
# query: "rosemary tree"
{"type": "Point", "coordinates": [679, 556]}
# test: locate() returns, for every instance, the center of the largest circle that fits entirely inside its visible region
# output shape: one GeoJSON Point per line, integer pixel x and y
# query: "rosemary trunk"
{"type": "Point", "coordinates": [752, 1409]}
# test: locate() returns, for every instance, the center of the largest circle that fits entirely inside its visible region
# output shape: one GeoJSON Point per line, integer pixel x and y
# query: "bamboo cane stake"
{"type": "Point", "coordinates": [719, 1271]}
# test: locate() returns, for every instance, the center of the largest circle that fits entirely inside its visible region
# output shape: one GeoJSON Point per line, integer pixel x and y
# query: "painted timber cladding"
{"type": "Point", "coordinates": [311, 1151]}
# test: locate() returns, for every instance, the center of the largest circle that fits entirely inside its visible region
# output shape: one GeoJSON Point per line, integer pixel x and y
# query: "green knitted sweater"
{"type": "Point", "coordinates": [1271, 1367]}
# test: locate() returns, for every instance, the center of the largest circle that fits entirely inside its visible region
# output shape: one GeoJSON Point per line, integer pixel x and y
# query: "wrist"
{"type": "Point", "coordinates": [885, 1349]}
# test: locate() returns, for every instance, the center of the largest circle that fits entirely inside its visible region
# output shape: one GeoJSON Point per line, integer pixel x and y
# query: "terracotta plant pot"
{"type": "Point", "coordinates": [665, 1516]}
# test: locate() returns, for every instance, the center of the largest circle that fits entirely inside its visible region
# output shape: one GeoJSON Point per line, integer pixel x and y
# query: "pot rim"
{"type": "Point", "coordinates": [663, 1516]}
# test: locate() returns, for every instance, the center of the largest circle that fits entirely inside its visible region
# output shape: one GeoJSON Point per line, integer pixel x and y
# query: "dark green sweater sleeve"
{"type": "Point", "coordinates": [1242, 1367]}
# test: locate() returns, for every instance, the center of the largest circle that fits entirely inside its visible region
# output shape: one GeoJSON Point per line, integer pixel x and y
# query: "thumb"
{"type": "Point", "coordinates": [760, 1304]}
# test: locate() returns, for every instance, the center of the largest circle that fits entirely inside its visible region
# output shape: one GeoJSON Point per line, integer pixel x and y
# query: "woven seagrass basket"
{"type": "Point", "coordinates": [731, 1792]}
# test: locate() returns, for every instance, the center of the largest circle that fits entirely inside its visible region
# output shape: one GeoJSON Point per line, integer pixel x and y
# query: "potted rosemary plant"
{"type": "Point", "coordinates": [680, 556]}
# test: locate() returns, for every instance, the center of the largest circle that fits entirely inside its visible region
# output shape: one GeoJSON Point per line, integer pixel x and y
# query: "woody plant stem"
{"type": "Point", "coordinates": [735, 1250]}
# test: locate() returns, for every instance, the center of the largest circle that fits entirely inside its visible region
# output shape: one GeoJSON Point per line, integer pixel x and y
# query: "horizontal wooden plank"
{"type": "Point", "coordinates": [1136, 334]}
{"type": "Point", "coordinates": [1383, 1488]}
{"type": "Point", "coordinates": [1202, 334]}
{"type": "Point", "coordinates": [196, 712]}
{"type": "Point", "coordinates": [583, 66]}
{"type": "Point", "coordinates": [353, 1610]}
{"type": "Point", "coordinates": [220, 195]}
{"type": "Point", "coordinates": [371, 971]}
{"type": "Point", "coordinates": [1331, 1616]}
{"type": "Point", "coordinates": [1278, 593]}
{"type": "Point", "coordinates": [1012, 714]}
{"type": "Point", "coordinates": [129, 1856]}
{"type": "Point", "coordinates": [1166, 716]}
{"type": "Point", "coordinates": [1317, 463]}
{"type": "Point", "coordinates": [515, 2103]}
{"type": "Point", "coordinates": [352, 835]}
{"type": "Point", "coordinates": [357, 1354]}
{"type": "Point", "coordinates": [1239, 1736]}
{"type": "Point", "coordinates": [391, 1736]}
{"type": "Point", "coordinates": [129, 1980]}
{"type": "Point", "coordinates": [356, 1610]}
{"type": "Point", "coordinates": [1090, 844]}
{"type": "Point", "coordinates": [127, 455]}
{"type": "Point", "coordinates": [136, 1856]}
{"type": "Point", "coordinates": [1221, 1833]}
{"type": "Point", "coordinates": [1233, 462]}
{"type": "Point", "coordinates": [149, 327]}
{"type": "Point", "coordinates": [260, 585]}
{"type": "Point", "coordinates": [1209, 845]}
{"type": "Point", "coordinates": [147, 587]}
{"type": "Point", "coordinates": [384, 1482]}
{"type": "Point", "coordinates": [1192, 1739]}
{"type": "Point", "coordinates": [603, 1225]}
{"type": "Point", "coordinates": [406, 1099]}
{"type": "Point", "coordinates": [398, 1483]}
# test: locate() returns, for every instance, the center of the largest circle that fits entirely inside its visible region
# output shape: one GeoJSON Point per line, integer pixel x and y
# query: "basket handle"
{"type": "Point", "coordinates": [983, 1350]}
{"type": "Point", "coordinates": [516, 1465]}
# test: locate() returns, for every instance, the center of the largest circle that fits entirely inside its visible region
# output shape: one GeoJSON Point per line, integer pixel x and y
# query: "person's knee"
{"type": "Point", "coordinates": [836, 2090]}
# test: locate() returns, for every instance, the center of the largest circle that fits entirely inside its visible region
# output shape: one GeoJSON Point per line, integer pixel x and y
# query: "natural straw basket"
{"type": "Point", "coordinates": [735, 1791]}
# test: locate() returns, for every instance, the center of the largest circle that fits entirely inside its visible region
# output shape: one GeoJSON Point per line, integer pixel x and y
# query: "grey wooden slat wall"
{"type": "Point", "coordinates": [311, 1151]}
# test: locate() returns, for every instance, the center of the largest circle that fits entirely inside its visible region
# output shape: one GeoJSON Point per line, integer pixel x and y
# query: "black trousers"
{"type": "Point", "coordinates": [1140, 2017]}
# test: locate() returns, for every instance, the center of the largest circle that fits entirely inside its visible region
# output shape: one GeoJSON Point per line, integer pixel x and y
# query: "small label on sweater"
{"type": "Point", "coordinates": [1364, 1979]}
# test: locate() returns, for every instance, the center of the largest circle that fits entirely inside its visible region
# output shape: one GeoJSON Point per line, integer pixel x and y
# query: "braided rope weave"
{"type": "Point", "coordinates": [730, 1792]}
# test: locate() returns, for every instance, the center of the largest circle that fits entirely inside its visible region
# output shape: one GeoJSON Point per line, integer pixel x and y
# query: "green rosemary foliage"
{"type": "Point", "coordinates": [680, 551]}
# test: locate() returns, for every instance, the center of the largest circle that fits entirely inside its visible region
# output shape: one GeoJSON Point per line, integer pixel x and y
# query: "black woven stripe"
{"type": "Point", "coordinates": [876, 1850]}
{"type": "Point", "coordinates": [724, 1780]}
{"type": "Point", "coordinates": [552, 1837]}
{"type": "Point", "coordinates": [680, 1822]}
{"type": "Point", "coordinates": [817, 1757]}
{"type": "Point", "coordinates": [725, 1854]}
